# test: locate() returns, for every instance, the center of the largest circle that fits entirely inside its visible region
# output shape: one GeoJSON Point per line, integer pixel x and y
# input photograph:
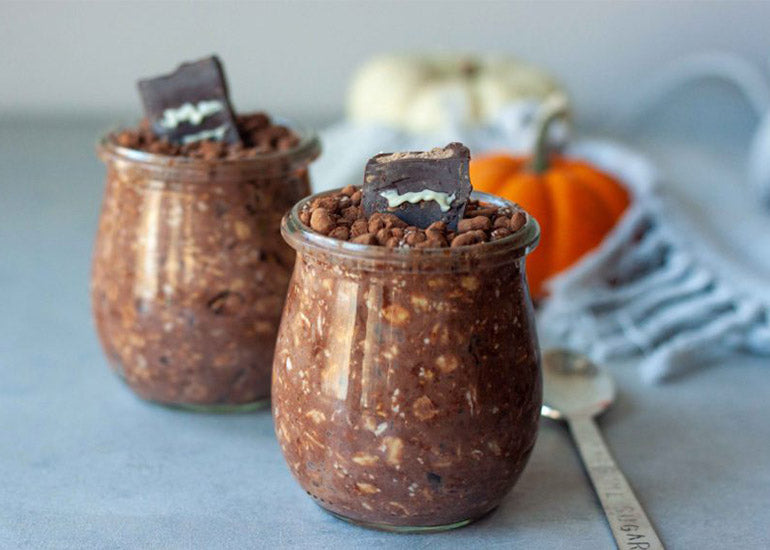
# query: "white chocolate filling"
{"type": "Point", "coordinates": [216, 133]}
{"type": "Point", "coordinates": [187, 112]}
{"type": "Point", "coordinates": [444, 200]}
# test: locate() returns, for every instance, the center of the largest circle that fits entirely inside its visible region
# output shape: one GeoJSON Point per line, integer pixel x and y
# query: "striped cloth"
{"type": "Point", "coordinates": [650, 290]}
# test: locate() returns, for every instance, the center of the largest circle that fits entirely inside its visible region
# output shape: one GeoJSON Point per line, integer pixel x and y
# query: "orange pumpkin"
{"type": "Point", "coordinates": [575, 203]}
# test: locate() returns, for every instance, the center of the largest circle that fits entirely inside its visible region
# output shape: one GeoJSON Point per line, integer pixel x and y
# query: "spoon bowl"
{"type": "Point", "coordinates": [574, 385]}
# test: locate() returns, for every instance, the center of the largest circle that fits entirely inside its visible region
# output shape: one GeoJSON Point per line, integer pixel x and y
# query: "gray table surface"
{"type": "Point", "coordinates": [85, 464]}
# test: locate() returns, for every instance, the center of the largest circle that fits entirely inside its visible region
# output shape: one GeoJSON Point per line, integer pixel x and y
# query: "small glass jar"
{"type": "Point", "coordinates": [190, 271]}
{"type": "Point", "coordinates": [406, 382]}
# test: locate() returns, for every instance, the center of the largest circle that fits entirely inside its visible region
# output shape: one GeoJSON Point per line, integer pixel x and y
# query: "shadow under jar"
{"type": "Point", "coordinates": [406, 382]}
{"type": "Point", "coordinates": [190, 271]}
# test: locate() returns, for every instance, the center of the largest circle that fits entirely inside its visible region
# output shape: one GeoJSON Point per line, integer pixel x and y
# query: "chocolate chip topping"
{"type": "Point", "coordinates": [191, 104]}
{"type": "Point", "coordinates": [259, 134]}
{"type": "Point", "coordinates": [420, 188]}
{"type": "Point", "coordinates": [341, 216]}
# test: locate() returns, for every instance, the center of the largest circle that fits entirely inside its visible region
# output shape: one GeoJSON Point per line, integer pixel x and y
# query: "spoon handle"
{"type": "Point", "coordinates": [630, 525]}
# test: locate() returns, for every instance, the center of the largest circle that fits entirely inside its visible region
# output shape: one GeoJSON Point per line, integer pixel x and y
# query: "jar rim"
{"type": "Point", "coordinates": [307, 149]}
{"type": "Point", "coordinates": [303, 239]}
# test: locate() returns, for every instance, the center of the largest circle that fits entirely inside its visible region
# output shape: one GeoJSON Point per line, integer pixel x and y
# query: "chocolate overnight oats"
{"type": "Point", "coordinates": [406, 380]}
{"type": "Point", "coordinates": [189, 269]}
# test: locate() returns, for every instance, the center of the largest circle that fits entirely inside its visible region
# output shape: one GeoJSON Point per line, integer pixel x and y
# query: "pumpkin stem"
{"type": "Point", "coordinates": [554, 107]}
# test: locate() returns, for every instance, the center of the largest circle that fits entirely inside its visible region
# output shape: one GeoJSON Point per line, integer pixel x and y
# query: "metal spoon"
{"type": "Point", "coordinates": [576, 390]}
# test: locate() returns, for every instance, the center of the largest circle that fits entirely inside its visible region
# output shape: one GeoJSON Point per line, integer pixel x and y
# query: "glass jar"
{"type": "Point", "coordinates": [190, 271]}
{"type": "Point", "coordinates": [406, 382]}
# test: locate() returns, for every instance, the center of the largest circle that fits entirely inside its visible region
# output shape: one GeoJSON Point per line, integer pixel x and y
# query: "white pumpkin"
{"type": "Point", "coordinates": [425, 93]}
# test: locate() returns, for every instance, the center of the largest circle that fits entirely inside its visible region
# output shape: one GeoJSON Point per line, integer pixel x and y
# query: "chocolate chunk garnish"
{"type": "Point", "coordinates": [434, 479]}
{"type": "Point", "coordinates": [419, 187]}
{"type": "Point", "coordinates": [191, 104]}
{"type": "Point", "coordinates": [225, 303]}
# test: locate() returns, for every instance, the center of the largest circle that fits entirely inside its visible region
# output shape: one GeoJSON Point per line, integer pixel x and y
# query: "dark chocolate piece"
{"type": "Point", "coordinates": [419, 187]}
{"type": "Point", "coordinates": [190, 104]}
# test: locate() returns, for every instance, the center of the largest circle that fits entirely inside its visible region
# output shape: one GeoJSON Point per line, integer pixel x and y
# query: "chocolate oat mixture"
{"type": "Point", "coordinates": [406, 386]}
{"type": "Point", "coordinates": [258, 133]}
{"type": "Point", "coordinates": [189, 269]}
{"type": "Point", "coordinates": [189, 278]}
{"type": "Point", "coordinates": [341, 216]}
{"type": "Point", "coordinates": [407, 394]}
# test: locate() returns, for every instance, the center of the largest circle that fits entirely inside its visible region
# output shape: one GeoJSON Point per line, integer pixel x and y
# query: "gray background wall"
{"type": "Point", "coordinates": [296, 57]}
